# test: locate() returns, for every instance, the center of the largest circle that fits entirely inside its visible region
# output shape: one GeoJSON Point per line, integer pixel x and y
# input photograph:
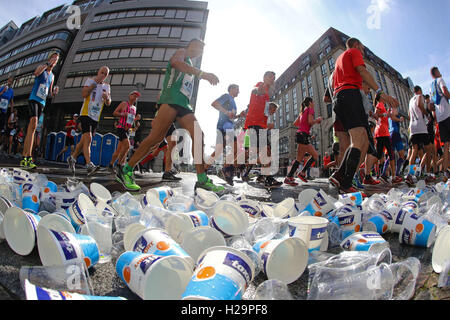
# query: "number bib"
{"type": "Point", "coordinates": [42, 91]}
{"type": "Point", "coordinates": [187, 87]}
{"type": "Point", "coordinates": [4, 104]}
{"type": "Point", "coordinates": [94, 111]}
{"type": "Point", "coordinates": [72, 133]}
{"type": "Point", "coordinates": [131, 116]}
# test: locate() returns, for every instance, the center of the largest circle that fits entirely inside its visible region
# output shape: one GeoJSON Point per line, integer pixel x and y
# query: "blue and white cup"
{"type": "Point", "coordinates": [229, 218]}
{"type": "Point", "coordinates": [63, 200]}
{"type": "Point", "coordinates": [334, 231]}
{"type": "Point", "coordinates": [20, 230]}
{"type": "Point", "coordinates": [162, 193]}
{"type": "Point", "coordinates": [414, 194]}
{"type": "Point", "coordinates": [417, 231]}
{"type": "Point", "coordinates": [58, 222]}
{"type": "Point", "coordinates": [157, 242]}
{"type": "Point", "coordinates": [410, 206]}
{"type": "Point", "coordinates": [252, 208]}
{"type": "Point", "coordinates": [321, 205]}
{"type": "Point", "coordinates": [99, 193]}
{"type": "Point", "coordinates": [364, 241]}
{"type": "Point", "coordinates": [79, 209]}
{"type": "Point", "coordinates": [33, 292]}
{"type": "Point", "coordinates": [62, 248]}
{"type": "Point", "coordinates": [350, 221]}
{"type": "Point", "coordinates": [380, 222]}
{"type": "Point", "coordinates": [200, 239]}
{"type": "Point", "coordinates": [180, 223]}
{"type": "Point", "coordinates": [222, 273]}
{"type": "Point", "coordinates": [5, 204]}
{"type": "Point", "coordinates": [354, 199]}
{"type": "Point", "coordinates": [153, 277]}
{"type": "Point", "coordinates": [283, 259]}
{"type": "Point", "coordinates": [311, 230]}
{"type": "Point", "coordinates": [31, 197]}
{"type": "Point", "coordinates": [20, 177]}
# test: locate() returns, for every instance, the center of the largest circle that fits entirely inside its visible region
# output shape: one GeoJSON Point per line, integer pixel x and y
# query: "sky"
{"type": "Point", "coordinates": [245, 38]}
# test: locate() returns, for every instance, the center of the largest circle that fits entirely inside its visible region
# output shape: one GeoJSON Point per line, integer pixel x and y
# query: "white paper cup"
{"type": "Point", "coordinates": [229, 218]}
{"type": "Point", "coordinates": [162, 193]}
{"type": "Point", "coordinates": [379, 222]}
{"type": "Point", "coordinates": [63, 200]}
{"type": "Point", "coordinates": [354, 199]}
{"type": "Point", "coordinates": [151, 199]}
{"type": "Point", "coordinates": [62, 248]}
{"type": "Point", "coordinates": [57, 222]}
{"type": "Point", "coordinates": [79, 209]}
{"type": "Point", "coordinates": [20, 176]}
{"type": "Point", "coordinates": [417, 231]}
{"type": "Point", "coordinates": [267, 211]}
{"type": "Point", "coordinates": [364, 241]}
{"type": "Point", "coordinates": [222, 273]}
{"type": "Point", "coordinates": [130, 233]}
{"type": "Point", "coordinates": [20, 230]}
{"type": "Point", "coordinates": [205, 201]}
{"type": "Point", "coordinates": [284, 259]}
{"type": "Point", "coordinates": [31, 197]}
{"type": "Point", "coordinates": [99, 193]}
{"type": "Point", "coordinates": [200, 239]}
{"type": "Point", "coordinates": [153, 277]}
{"type": "Point", "coordinates": [350, 221]}
{"type": "Point", "coordinates": [252, 208]}
{"type": "Point", "coordinates": [286, 209]}
{"type": "Point", "coordinates": [398, 215]}
{"type": "Point", "coordinates": [5, 204]}
{"type": "Point", "coordinates": [441, 250]}
{"type": "Point", "coordinates": [311, 230]}
{"type": "Point", "coordinates": [321, 205]}
{"type": "Point", "coordinates": [306, 196]}
{"type": "Point", "coordinates": [157, 242]}
{"type": "Point", "coordinates": [180, 223]}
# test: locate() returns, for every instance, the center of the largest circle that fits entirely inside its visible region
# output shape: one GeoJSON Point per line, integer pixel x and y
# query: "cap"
{"type": "Point", "coordinates": [76, 115]}
{"type": "Point", "coordinates": [136, 93]}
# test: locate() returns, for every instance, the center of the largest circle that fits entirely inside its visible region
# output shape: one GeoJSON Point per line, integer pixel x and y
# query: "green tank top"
{"type": "Point", "coordinates": [178, 87]}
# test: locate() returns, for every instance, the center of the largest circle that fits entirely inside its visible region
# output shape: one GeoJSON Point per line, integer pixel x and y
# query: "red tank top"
{"type": "Point", "coordinates": [256, 115]}
{"type": "Point", "coordinates": [127, 121]}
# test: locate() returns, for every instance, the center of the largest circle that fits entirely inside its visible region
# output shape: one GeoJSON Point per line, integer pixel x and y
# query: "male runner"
{"type": "Point", "coordinates": [43, 85]}
{"type": "Point", "coordinates": [174, 105]}
{"type": "Point", "coordinates": [71, 129]}
{"type": "Point", "coordinates": [396, 139]}
{"type": "Point", "coordinates": [96, 93]}
{"type": "Point", "coordinates": [6, 100]}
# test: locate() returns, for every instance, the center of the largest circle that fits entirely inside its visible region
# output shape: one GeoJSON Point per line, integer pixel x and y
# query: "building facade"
{"type": "Point", "coordinates": [308, 76]}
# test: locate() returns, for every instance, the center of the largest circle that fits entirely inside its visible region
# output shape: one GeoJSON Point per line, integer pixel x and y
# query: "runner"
{"type": "Point", "coordinates": [6, 101]}
{"type": "Point", "coordinates": [304, 122]}
{"type": "Point", "coordinates": [256, 121]}
{"type": "Point", "coordinates": [126, 111]}
{"type": "Point", "coordinates": [43, 85]}
{"type": "Point", "coordinates": [350, 71]}
{"type": "Point", "coordinates": [174, 105]}
{"type": "Point", "coordinates": [418, 130]}
{"type": "Point", "coordinates": [430, 161]}
{"type": "Point", "coordinates": [71, 128]}
{"type": "Point", "coordinates": [440, 96]}
{"type": "Point", "coordinates": [12, 126]}
{"type": "Point", "coordinates": [96, 93]}
{"type": "Point", "coordinates": [396, 139]}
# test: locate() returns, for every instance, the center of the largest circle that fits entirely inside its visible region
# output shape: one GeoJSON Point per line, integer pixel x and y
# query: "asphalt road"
{"type": "Point", "coordinates": [107, 283]}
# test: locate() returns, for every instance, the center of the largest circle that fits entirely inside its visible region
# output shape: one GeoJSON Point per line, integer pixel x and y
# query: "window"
{"type": "Point", "coordinates": [95, 55]}
{"type": "Point", "coordinates": [77, 58]}
{"type": "Point", "coordinates": [190, 33]}
{"type": "Point", "coordinates": [181, 14]}
{"type": "Point", "coordinates": [131, 14]}
{"type": "Point", "coordinates": [170, 14]}
{"type": "Point", "coordinates": [95, 35]}
{"type": "Point", "coordinates": [325, 42]}
{"type": "Point", "coordinates": [309, 81]}
{"type": "Point", "coordinates": [147, 53]}
{"type": "Point", "coordinates": [152, 81]}
{"type": "Point", "coordinates": [195, 16]}
{"type": "Point", "coordinates": [158, 54]}
{"type": "Point", "coordinates": [140, 13]}
{"type": "Point", "coordinates": [96, 18]}
{"type": "Point", "coordinates": [143, 30]}
{"type": "Point", "coordinates": [321, 55]}
{"type": "Point", "coordinates": [328, 50]}
{"type": "Point", "coordinates": [331, 63]}
{"type": "Point", "coordinates": [160, 13]}
{"type": "Point", "coordinates": [87, 36]}
{"type": "Point", "coordinates": [311, 92]}
{"type": "Point", "coordinates": [132, 31]}
{"type": "Point", "coordinates": [104, 34]}
{"type": "Point", "coordinates": [324, 69]}
{"type": "Point", "coordinates": [69, 83]}
{"type": "Point", "coordinates": [128, 79]}
{"type": "Point", "coordinates": [113, 16]}
{"type": "Point", "coordinates": [104, 54]}
{"type": "Point", "coordinates": [304, 85]}
{"type": "Point", "coordinates": [113, 33]}
{"type": "Point", "coordinates": [169, 54]}
{"type": "Point", "coordinates": [124, 53]}
{"type": "Point", "coordinates": [86, 56]}
{"type": "Point", "coordinates": [176, 32]}
{"type": "Point", "coordinates": [122, 32]}
{"type": "Point", "coordinates": [302, 73]}
{"type": "Point", "coordinates": [77, 82]}
{"type": "Point", "coordinates": [140, 78]}
{"type": "Point", "coordinates": [325, 82]}
{"type": "Point", "coordinates": [135, 52]}
{"type": "Point", "coordinates": [153, 30]}
{"type": "Point", "coordinates": [150, 13]}
{"type": "Point", "coordinates": [164, 32]}
{"type": "Point", "coordinates": [116, 79]}
{"type": "Point", "coordinates": [104, 17]}
{"type": "Point", "coordinates": [114, 54]}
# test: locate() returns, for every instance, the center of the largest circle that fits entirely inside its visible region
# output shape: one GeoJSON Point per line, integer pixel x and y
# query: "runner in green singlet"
{"type": "Point", "coordinates": [174, 105]}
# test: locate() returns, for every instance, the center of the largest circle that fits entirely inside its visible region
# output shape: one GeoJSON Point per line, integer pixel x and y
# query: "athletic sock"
{"type": "Point", "coordinates": [127, 169]}
{"type": "Point", "coordinates": [341, 171]}
{"type": "Point", "coordinates": [399, 165]}
{"type": "Point", "coordinates": [385, 166]}
{"type": "Point", "coordinates": [405, 164]}
{"type": "Point", "coordinates": [352, 162]}
{"type": "Point", "coordinates": [294, 169]}
{"type": "Point", "coordinates": [202, 178]}
{"type": "Point", "coordinates": [308, 164]}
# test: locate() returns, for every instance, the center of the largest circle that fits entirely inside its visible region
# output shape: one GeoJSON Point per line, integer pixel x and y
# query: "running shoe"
{"type": "Point", "coordinates": [302, 177]}
{"type": "Point", "coordinates": [397, 180]}
{"type": "Point", "coordinates": [245, 177]}
{"type": "Point", "coordinates": [335, 180]}
{"type": "Point", "coordinates": [384, 179]}
{"type": "Point", "coordinates": [228, 173]}
{"type": "Point", "coordinates": [209, 186]}
{"type": "Point", "coordinates": [356, 183]}
{"type": "Point", "coordinates": [430, 179]}
{"type": "Point", "coordinates": [28, 164]}
{"type": "Point", "coordinates": [170, 176]}
{"type": "Point", "coordinates": [91, 169]}
{"type": "Point", "coordinates": [261, 179]}
{"type": "Point", "coordinates": [24, 163]}
{"type": "Point", "coordinates": [112, 169]}
{"type": "Point", "coordinates": [71, 162]}
{"type": "Point", "coordinates": [370, 181]}
{"type": "Point", "coordinates": [290, 182]}
{"type": "Point", "coordinates": [349, 190]}
{"type": "Point", "coordinates": [271, 183]}
{"type": "Point", "coordinates": [127, 180]}
{"type": "Point", "coordinates": [409, 180]}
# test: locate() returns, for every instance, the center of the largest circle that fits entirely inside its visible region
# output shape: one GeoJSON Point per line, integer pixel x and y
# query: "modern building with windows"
{"type": "Point", "coordinates": [308, 76]}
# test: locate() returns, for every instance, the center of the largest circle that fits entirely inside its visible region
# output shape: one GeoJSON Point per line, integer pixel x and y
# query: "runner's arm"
{"type": "Point", "coordinates": [367, 77]}
{"type": "Point", "coordinates": [87, 90]}
{"type": "Point", "coordinates": [178, 63]}
{"type": "Point", "coordinates": [421, 106]}
{"type": "Point", "coordinates": [39, 70]}
{"type": "Point", "coordinates": [394, 115]}
{"type": "Point", "coordinates": [120, 110]}
{"type": "Point", "coordinates": [3, 90]}
{"type": "Point", "coordinates": [445, 91]}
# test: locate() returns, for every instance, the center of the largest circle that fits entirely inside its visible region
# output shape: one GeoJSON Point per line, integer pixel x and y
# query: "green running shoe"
{"type": "Point", "coordinates": [127, 180]}
{"type": "Point", "coordinates": [24, 163]}
{"type": "Point", "coordinates": [209, 186]}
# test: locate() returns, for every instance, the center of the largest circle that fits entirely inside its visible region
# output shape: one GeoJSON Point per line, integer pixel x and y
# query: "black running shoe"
{"type": "Point", "coordinates": [271, 183]}
{"type": "Point", "coordinates": [169, 176]}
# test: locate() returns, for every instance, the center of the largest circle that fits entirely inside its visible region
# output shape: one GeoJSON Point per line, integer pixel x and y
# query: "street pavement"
{"type": "Point", "coordinates": [107, 283]}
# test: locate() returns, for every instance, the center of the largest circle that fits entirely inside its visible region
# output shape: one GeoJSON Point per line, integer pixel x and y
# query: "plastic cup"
{"type": "Point", "coordinates": [178, 224]}
{"type": "Point", "coordinates": [379, 222]}
{"type": "Point", "coordinates": [444, 278]}
{"type": "Point", "coordinates": [273, 290]}
{"type": "Point", "coordinates": [63, 200]}
{"type": "Point", "coordinates": [100, 228]}
{"type": "Point", "coordinates": [350, 221]}
{"type": "Point", "coordinates": [229, 218]}
{"type": "Point", "coordinates": [162, 193]}
{"type": "Point", "coordinates": [180, 203]}
{"type": "Point", "coordinates": [20, 176]}
{"type": "Point", "coordinates": [222, 273]}
{"type": "Point", "coordinates": [405, 276]}
{"type": "Point", "coordinates": [79, 209]}
{"type": "Point", "coordinates": [157, 242]}
{"type": "Point", "coordinates": [334, 232]}
{"type": "Point", "coordinates": [417, 231]}
{"type": "Point", "coordinates": [31, 197]}
{"type": "Point", "coordinates": [20, 230]}
{"type": "Point", "coordinates": [58, 222]}
{"type": "Point", "coordinates": [283, 259]}
{"type": "Point", "coordinates": [354, 199]}
{"type": "Point", "coordinates": [205, 201]}
{"type": "Point", "coordinates": [364, 241]}
{"type": "Point", "coordinates": [410, 206]}
{"type": "Point", "coordinates": [33, 292]}
{"type": "Point", "coordinates": [321, 205]}
{"type": "Point", "coordinates": [398, 215]}
{"type": "Point", "coordinates": [61, 248]}
{"type": "Point", "coordinates": [262, 230]}
{"type": "Point", "coordinates": [122, 223]}
{"type": "Point", "coordinates": [286, 209]}
{"type": "Point", "coordinates": [200, 239]}
{"type": "Point", "coordinates": [5, 204]}
{"type": "Point", "coordinates": [252, 208]}
{"type": "Point", "coordinates": [99, 193]}
{"type": "Point", "coordinates": [311, 230]}
{"type": "Point", "coordinates": [306, 196]}
{"type": "Point", "coordinates": [72, 277]}
{"type": "Point", "coordinates": [153, 277]}
{"type": "Point", "coordinates": [441, 250]}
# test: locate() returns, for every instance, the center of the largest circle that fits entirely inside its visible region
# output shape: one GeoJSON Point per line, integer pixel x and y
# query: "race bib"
{"type": "Point", "coordinates": [94, 111]}
{"type": "Point", "coordinates": [42, 92]}
{"type": "Point", "coordinates": [130, 119]}
{"type": "Point", "coordinates": [72, 133]}
{"type": "Point", "coordinates": [4, 104]}
{"type": "Point", "coordinates": [187, 87]}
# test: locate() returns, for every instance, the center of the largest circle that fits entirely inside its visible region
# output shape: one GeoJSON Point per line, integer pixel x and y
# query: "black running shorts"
{"type": "Point", "coordinates": [349, 109]}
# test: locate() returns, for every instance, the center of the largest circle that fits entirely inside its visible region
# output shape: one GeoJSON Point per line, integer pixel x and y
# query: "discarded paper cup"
{"type": "Point", "coordinates": [310, 229]}
{"type": "Point", "coordinates": [306, 196]}
{"type": "Point", "coordinates": [267, 211]}
{"type": "Point", "coordinates": [441, 250]}
{"type": "Point", "coordinates": [61, 248]}
{"type": "Point", "coordinates": [20, 176]}
{"type": "Point", "coordinates": [398, 215]}
{"type": "Point", "coordinates": [31, 197]}
{"type": "Point", "coordinates": [162, 193]}
{"type": "Point", "coordinates": [5, 204]}
{"type": "Point", "coordinates": [20, 230]}
{"type": "Point", "coordinates": [354, 199]}
{"type": "Point", "coordinates": [251, 207]}
{"type": "Point", "coordinates": [364, 241]}
{"type": "Point", "coordinates": [157, 242]}
{"type": "Point", "coordinates": [63, 200]}
{"type": "Point", "coordinates": [200, 239]}
{"type": "Point", "coordinates": [350, 221]}
{"type": "Point", "coordinates": [205, 201]}
{"type": "Point", "coordinates": [286, 209]}
{"type": "Point", "coordinates": [229, 218]}
{"type": "Point", "coordinates": [58, 222]}
{"type": "Point", "coordinates": [379, 222]}
{"type": "Point", "coordinates": [283, 259]}
{"type": "Point", "coordinates": [222, 273]}
{"type": "Point", "coordinates": [179, 223]}
{"type": "Point", "coordinates": [130, 232]}
{"type": "Point", "coordinates": [79, 209]}
{"type": "Point", "coordinates": [99, 193]}
{"type": "Point", "coordinates": [321, 205]}
{"type": "Point", "coordinates": [417, 231]}
{"type": "Point", "coordinates": [180, 203]}
{"type": "Point", "coordinates": [153, 277]}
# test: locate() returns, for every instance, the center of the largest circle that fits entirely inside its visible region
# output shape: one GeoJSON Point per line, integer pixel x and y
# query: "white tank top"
{"type": "Point", "coordinates": [417, 124]}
